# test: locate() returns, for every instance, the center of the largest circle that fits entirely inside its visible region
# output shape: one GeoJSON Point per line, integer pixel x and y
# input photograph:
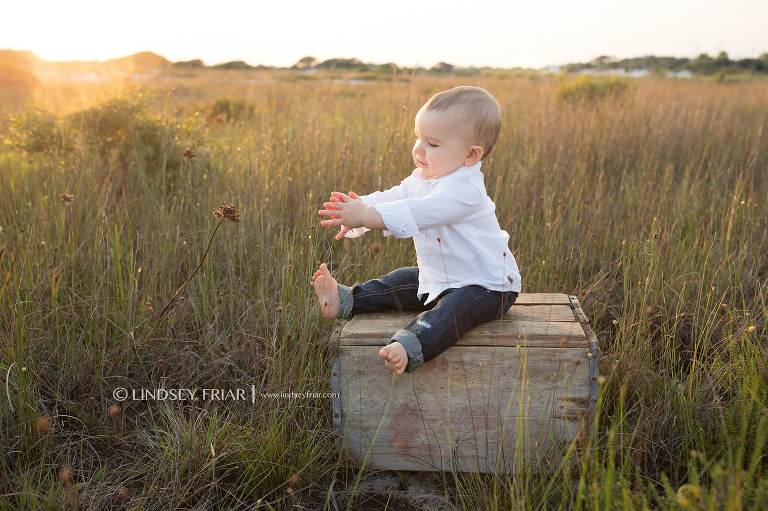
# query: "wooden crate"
{"type": "Point", "coordinates": [503, 394]}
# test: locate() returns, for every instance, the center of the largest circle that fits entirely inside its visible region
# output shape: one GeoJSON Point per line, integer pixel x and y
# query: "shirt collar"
{"type": "Point", "coordinates": [462, 170]}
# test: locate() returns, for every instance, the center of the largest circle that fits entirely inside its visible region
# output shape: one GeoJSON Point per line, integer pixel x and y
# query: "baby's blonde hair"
{"type": "Point", "coordinates": [478, 110]}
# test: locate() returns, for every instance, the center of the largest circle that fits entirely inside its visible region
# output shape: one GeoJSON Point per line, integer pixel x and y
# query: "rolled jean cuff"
{"type": "Point", "coordinates": [345, 304]}
{"type": "Point", "coordinates": [412, 348]}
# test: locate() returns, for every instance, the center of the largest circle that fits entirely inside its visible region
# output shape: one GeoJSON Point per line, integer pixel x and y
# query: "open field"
{"type": "Point", "coordinates": [648, 202]}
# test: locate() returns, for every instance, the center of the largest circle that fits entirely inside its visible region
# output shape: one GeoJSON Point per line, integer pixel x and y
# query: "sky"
{"type": "Point", "coordinates": [511, 33]}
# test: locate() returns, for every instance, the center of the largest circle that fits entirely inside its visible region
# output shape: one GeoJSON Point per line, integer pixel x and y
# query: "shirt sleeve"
{"type": "Point", "coordinates": [460, 201]}
{"type": "Point", "coordinates": [395, 193]}
{"type": "Point", "coordinates": [398, 192]}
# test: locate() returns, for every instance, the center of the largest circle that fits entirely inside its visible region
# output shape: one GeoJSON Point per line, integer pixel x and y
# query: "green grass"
{"type": "Point", "coordinates": [649, 206]}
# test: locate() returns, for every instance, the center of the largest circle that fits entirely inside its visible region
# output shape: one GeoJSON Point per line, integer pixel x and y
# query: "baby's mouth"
{"type": "Point", "coordinates": [420, 163]}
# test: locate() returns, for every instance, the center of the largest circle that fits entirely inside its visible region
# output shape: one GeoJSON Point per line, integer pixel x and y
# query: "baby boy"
{"type": "Point", "coordinates": [466, 274]}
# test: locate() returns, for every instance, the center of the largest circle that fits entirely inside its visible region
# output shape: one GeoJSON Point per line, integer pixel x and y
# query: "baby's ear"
{"type": "Point", "coordinates": [475, 155]}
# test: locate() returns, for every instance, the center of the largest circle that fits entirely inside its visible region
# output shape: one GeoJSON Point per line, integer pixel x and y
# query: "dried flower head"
{"type": "Point", "coordinates": [294, 480]}
{"type": "Point", "coordinates": [188, 153]}
{"type": "Point", "coordinates": [114, 411]}
{"type": "Point", "coordinates": [122, 493]}
{"type": "Point", "coordinates": [66, 198]}
{"type": "Point", "coordinates": [43, 425]}
{"type": "Point", "coordinates": [65, 476]}
{"type": "Point", "coordinates": [227, 212]}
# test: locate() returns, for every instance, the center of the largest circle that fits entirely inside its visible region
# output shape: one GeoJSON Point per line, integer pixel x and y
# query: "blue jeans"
{"type": "Point", "coordinates": [441, 323]}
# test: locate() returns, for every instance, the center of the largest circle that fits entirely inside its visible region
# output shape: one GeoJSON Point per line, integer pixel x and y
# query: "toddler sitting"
{"type": "Point", "coordinates": [466, 274]}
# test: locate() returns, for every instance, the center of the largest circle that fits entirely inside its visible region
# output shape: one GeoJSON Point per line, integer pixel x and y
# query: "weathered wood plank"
{"type": "Point", "coordinates": [470, 379]}
{"type": "Point", "coordinates": [409, 441]}
{"type": "Point", "coordinates": [360, 332]}
{"type": "Point", "coordinates": [477, 392]}
{"type": "Point", "coordinates": [394, 320]}
{"type": "Point", "coordinates": [336, 401]}
{"type": "Point", "coordinates": [542, 299]}
{"type": "Point", "coordinates": [594, 349]}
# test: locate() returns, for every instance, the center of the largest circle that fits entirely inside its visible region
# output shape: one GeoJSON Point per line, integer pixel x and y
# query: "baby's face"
{"type": "Point", "coordinates": [441, 147]}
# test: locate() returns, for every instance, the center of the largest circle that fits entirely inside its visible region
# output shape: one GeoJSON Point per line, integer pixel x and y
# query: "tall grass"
{"type": "Point", "coordinates": [648, 205]}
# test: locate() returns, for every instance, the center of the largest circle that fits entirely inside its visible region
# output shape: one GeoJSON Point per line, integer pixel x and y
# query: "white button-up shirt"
{"type": "Point", "coordinates": [456, 210]}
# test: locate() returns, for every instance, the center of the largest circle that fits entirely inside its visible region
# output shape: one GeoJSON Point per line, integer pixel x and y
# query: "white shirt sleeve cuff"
{"type": "Point", "coordinates": [398, 219]}
{"type": "Point", "coordinates": [357, 231]}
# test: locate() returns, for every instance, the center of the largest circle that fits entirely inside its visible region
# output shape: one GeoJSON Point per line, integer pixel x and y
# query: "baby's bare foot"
{"type": "Point", "coordinates": [327, 291]}
{"type": "Point", "coordinates": [395, 357]}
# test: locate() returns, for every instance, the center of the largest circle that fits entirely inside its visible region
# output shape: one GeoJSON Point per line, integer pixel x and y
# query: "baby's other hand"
{"type": "Point", "coordinates": [340, 197]}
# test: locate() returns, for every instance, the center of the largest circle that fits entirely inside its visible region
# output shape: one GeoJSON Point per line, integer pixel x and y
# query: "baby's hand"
{"type": "Point", "coordinates": [351, 215]}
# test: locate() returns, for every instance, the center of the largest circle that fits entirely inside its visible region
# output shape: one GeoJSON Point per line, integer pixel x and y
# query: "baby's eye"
{"type": "Point", "coordinates": [432, 145]}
